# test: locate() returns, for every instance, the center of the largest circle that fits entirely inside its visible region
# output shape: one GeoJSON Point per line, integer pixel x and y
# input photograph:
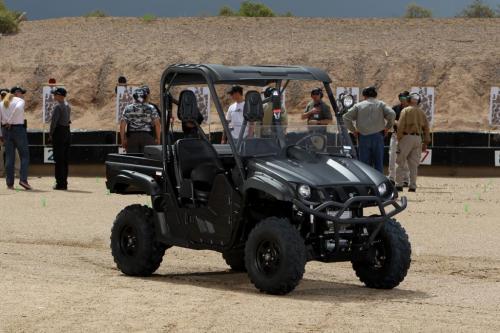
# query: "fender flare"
{"type": "Point", "coordinates": [137, 179]}
{"type": "Point", "coordinates": [279, 190]}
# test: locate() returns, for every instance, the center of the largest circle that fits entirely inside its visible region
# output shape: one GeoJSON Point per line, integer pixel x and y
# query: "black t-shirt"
{"type": "Point", "coordinates": [397, 108]}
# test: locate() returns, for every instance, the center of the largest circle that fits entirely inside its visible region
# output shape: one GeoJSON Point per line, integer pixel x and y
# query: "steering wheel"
{"type": "Point", "coordinates": [317, 142]}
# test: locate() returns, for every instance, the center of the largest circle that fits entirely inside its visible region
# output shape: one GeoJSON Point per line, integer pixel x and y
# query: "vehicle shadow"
{"type": "Point", "coordinates": [308, 289]}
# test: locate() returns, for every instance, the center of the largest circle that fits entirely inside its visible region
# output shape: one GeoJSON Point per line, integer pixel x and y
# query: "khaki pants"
{"type": "Point", "coordinates": [409, 151]}
{"type": "Point", "coordinates": [393, 148]}
{"type": "Point", "coordinates": [17, 165]}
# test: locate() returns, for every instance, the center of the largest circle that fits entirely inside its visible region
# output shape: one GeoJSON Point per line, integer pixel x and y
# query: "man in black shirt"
{"type": "Point", "coordinates": [60, 136]}
{"type": "Point", "coordinates": [404, 101]}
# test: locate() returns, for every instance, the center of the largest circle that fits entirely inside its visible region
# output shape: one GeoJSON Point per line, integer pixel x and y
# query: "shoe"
{"type": "Point", "coordinates": [10, 187]}
{"type": "Point", "coordinates": [399, 188]}
{"type": "Point", "coordinates": [26, 186]}
{"type": "Point", "coordinates": [60, 188]}
{"type": "Point", "coordinates": [406, 184]}
{"type": "Point", "coordinates": [412, 190]}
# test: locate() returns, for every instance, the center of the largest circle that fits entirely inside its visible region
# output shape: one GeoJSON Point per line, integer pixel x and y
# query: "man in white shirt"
{"type": "Point", "coordinates": [15, 136]}
{"type": "Point", "coordinates": [234, 114]}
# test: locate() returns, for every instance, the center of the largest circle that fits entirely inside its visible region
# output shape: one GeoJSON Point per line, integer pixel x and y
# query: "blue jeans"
{"type": "Point", "coordinates": [371, 150]}
{"type": "Point", "coordinates": [16, 138]}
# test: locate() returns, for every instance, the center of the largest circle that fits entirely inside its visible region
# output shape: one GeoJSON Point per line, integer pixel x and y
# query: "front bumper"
{"type": "Point", "coordinates": [321, 210]}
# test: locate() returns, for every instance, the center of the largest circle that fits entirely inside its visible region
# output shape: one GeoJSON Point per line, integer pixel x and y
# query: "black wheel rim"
{"type": "Point", "coordinates": [128, 241]}
{"type": "Point", "coordinates": [268, 257]}
{"type": "Point", "coordinates": [380, 256]}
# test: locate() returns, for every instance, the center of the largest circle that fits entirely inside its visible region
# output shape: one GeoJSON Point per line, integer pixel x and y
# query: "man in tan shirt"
{"type": "Point", "coordinates": [413, 136]}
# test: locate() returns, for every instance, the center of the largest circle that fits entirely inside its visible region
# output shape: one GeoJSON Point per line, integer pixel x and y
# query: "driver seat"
{"type": "Point", "coordinates": [197, 160]}
{"type": "Point", "coordinates": [199, 163]}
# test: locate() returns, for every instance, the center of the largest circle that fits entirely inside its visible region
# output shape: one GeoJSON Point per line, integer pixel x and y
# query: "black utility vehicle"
{"type": "Point", "coordinates": [269, 201]}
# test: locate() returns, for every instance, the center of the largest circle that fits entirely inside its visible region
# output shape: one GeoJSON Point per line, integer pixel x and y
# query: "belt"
{"type": "Point", "coordinates": [404, 133]}
{"type": "Point", "coordinates": [12, 125]}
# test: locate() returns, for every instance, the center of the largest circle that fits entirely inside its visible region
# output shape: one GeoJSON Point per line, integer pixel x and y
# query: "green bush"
{"type": "Point", "coordinates": [478, 9]}
{"type": "Point", "coordinates": [8, 23]}
{"type": "Point", "coordinates": [148, 18]}
{"type": "Point", "coordinates": [226, 11]}
{"type": "Point", "coordinates": [8, 20]}
{"type": "Point", "coordinates": [415, 11]}
{"type": "Point", "coordinates": [251, 9]}
{"type": "Point", "coordinates": [96, 13]}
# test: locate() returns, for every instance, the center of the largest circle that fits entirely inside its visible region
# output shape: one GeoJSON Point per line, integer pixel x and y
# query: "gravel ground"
{"type": "Point", "coordinates": [57, 274]}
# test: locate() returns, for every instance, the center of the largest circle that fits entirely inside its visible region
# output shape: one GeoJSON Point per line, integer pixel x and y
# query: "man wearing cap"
{"type": "Point", "coordinates": [413, 136]}
{"type": "Point", "coordinates": [60, 136]}
{"type": "Point", "coordinates": [14, 134]}
{"type": "Point", "coordinates": [404, 101]}
{"type": "Point", "coordinates": [140, 124]}
{"type": "Point", "coordinates": [3, 93]}
{"type": "Point", "coordinates": [317, 112]}
{"type": "Point", "coordinates": [234, 114]}
{"type": "Point", "coordinates": [373, 120]}
{"type": "Point", "coordinates": [267, 121]}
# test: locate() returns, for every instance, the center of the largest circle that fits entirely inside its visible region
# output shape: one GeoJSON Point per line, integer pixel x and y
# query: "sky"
{"type": "Point", "coordinates": [43, 9]}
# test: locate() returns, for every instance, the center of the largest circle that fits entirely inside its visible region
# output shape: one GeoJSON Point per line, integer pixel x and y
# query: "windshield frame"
{"type": "Point", "coordinates": [166, 113]}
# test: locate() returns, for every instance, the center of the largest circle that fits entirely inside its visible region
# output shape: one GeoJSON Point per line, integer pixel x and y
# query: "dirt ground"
{"type": "Point", "coordinates": [57, 273]}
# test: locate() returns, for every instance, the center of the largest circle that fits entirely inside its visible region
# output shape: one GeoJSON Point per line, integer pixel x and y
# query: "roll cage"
{"type": "Point", "coordinates": [210, 74]}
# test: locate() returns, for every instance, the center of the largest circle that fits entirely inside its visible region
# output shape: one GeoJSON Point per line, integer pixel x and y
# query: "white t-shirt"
{"type": "Point", "coordinates": [14, 114]}
{"type": "Point", "coordinates": [234, 117]}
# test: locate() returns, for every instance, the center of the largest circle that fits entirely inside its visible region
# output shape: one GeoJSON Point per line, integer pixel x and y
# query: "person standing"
{"type": "Point", "coordinates": [268, 120]}
{"type": "Point", "coordinates": [60, 136]}
{"type": "Point", "coordinates": [17, 164]}
{"type": "Point", "coordinates": [234, 114]}
{"type": "Point", "coordinates": [404, 101]}
{"type": "Point", "coordinates": [140, 124]}
{"type": "Point", "coordinates": [373, 120]}
{"type": "Point", "coordinates": [317, 112]}
{"type": "Point", "coordinates": [413, 136]}
{"type": "Point", "coordinates": [14, 134]}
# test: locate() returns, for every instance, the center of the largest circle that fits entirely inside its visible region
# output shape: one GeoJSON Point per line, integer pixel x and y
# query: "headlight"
{"type": "Point", "coordinates": [347, 101]}
{"type": "Point", "coordinates": [382, 189]}
{"type": "Point", "coordinates": [304, 191]}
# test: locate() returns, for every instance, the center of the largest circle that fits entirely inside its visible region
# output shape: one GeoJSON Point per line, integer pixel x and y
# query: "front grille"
{"type": "Point", "coordinates": [344, 193]}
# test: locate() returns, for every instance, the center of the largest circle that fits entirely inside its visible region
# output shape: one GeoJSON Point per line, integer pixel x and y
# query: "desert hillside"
{"type": "Point", "coordinates": [459, 57]}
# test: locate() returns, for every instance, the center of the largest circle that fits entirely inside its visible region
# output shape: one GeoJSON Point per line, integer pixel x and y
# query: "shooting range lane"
{"type": "Point", "coordinates": [58, 273]}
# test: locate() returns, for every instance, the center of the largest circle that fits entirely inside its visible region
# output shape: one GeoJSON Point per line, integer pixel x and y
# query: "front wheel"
{"type": "Point", "coordinates": [275, 256]}
{"type": "Point", "coordinates": [389, 258]}
{"type": "Point", "coordinates": [133, 244]}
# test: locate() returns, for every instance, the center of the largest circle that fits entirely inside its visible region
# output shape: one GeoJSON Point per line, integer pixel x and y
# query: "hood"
{"type": "Point", "coordinates": [319, 170]}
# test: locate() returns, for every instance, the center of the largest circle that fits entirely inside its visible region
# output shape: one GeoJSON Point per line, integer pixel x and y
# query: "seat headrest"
{"type": "Point", "coordinates": [188, 106]}
{"type": "Point", "coordinates": [253, 110]}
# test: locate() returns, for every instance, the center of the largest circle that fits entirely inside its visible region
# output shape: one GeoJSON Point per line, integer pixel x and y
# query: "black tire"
{"type": "Point", "coordinates": [133, 244]}
{"type": "Point", "coordinates": [235, 259]}
{"type": "Point", "coordinates": [392, 253]}
{"type": "Point", "coordinates": [275, 256]}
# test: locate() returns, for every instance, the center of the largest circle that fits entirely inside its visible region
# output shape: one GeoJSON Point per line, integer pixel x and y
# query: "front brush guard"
{"type": "Point", "coordinates": [379, 220]}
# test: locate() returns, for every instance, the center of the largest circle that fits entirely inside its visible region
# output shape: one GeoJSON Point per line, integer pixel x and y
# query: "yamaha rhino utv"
{"type": "Point", "coordinates": [270, 200]}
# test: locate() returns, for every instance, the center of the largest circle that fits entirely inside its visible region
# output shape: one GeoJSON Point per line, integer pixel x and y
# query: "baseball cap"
{"type": "Point", "coordinates": [60, 91]}
{"type": "Point", "coordinates": [235, 89]}
{"type": "Point", "coordinates": [404, 95]}
{"type": "Point", "coordinates": [15, 89]}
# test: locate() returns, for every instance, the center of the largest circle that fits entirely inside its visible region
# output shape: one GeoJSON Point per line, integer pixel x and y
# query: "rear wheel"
{"type": "Point", "coordinates": [235, 259]}
{"type": "Point", "coordinates": [389, 259]}
{"type": "Point", "coordinates": [133, 244]}
{"type": "Point", "coordinates": [275, 256]}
